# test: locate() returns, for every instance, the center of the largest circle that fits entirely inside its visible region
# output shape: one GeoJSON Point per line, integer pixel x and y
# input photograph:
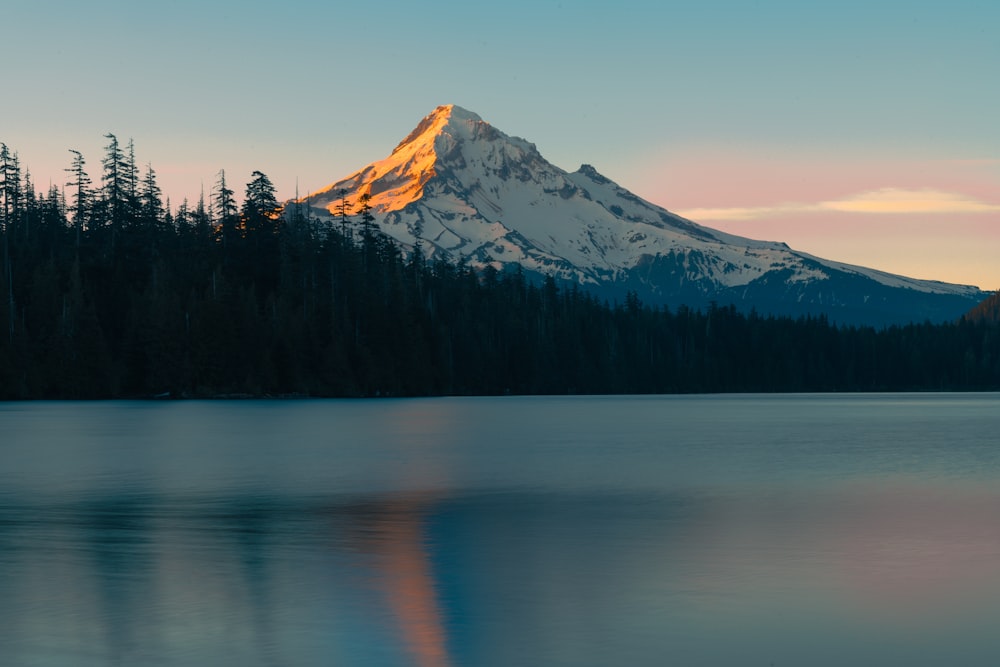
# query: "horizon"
{"type": "Point", "coordinates": [861, 135]}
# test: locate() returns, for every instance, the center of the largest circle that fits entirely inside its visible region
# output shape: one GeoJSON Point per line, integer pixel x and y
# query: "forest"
{"type": "Point", "coordinates": [108, 291]}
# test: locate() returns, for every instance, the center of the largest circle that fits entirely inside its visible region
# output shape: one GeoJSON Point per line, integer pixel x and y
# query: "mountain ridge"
{"type": "Point", "coordinates": [465, 190]}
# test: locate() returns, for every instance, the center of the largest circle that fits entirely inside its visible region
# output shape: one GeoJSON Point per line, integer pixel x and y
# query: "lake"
{"type": "Point", "coordinates": [628, 530]}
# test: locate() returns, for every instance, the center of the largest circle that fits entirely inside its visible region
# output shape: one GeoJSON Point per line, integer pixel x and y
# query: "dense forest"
{"type": "Point", "coordinates": [108, 291]}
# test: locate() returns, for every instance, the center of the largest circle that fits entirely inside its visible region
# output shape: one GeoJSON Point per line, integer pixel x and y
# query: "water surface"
{"type": "Point", "coordinates": [694, 530]}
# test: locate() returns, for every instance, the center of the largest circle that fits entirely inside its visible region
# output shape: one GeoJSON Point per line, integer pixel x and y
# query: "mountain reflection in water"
{"type": "Point", "coordinates": [579, 531]}
{"type": "Point", "coordinates": [495, 579]}
{"type": "Point", "coordinates": [394, 538]}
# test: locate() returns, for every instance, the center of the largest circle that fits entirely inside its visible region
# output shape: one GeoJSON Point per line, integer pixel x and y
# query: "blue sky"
{"type": "Point", "coordinates": [860, 131]}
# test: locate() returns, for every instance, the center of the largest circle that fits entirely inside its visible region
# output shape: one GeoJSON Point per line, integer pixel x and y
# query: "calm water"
{"type": "Point", "coordinates": [723, 530]}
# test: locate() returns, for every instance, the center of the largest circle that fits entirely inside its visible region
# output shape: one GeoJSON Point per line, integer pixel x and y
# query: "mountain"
{"type": "Point", "coordinates": [468, 191]}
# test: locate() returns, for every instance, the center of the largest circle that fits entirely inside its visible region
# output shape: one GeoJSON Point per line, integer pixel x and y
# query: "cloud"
{"type": "Point", "coordinates": [896, 200]}
{"type": "Point", "coordinates": [882, 201]}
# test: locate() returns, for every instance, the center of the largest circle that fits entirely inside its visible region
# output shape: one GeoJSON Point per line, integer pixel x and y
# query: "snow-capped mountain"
{"type": "Point", "coordinates": [466, 190]}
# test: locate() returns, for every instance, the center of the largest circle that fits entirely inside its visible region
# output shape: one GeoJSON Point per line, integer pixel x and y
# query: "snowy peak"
{"type": "Point", "coordinates": [463, 189]}
{"type": "Point", "coordinates": [446, 140]}
{"type": "Point", "coordinates": [447, 118]}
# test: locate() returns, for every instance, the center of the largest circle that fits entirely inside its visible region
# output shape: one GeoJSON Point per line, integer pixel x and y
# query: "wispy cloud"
{"type": "Point", "coordinates": [895, 200]}
{"type": "Point", "coordinates": [882, 201]}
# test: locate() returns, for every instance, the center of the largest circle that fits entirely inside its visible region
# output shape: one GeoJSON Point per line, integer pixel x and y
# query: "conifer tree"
{"type": "Point", "coordinates": [344, 212]}
{"type": "Point", "coordinates": [365, 210]}
{"type": "Point", "coordinates": [201, 219]}
{"type": "Point", "coordinates": [150, 201]}
{"type": "Point", "coordinates": [115, 190]}
{"type": "Point", "coordinates": [224, 209]}
{"type": "Point", "coordinates": [10, 184]}
{"type": "Point", "coordinates": [260, 220]}
{"type": "Point", "coordinates": [151, 227]}
{"type": "Point", "coordinates": [261, 210]}
{"type": "Point", "coordinates": [367, 229]}
{"type": "Point", "coordinates": [130, 171]}
{"type": "Point", "coordinates": [82, 198]}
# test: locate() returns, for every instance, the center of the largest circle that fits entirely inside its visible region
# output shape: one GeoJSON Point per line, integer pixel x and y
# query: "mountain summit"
{"type": "Point", "coordinates": [466, 190]}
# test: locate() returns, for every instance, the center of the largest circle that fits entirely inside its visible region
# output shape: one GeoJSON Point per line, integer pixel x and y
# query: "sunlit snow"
{"type": "Point", "coordinates": [474, 192]}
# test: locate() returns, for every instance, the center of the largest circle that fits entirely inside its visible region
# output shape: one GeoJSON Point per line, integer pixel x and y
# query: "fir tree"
{"type": "Point", "coordinates": [82, 198]}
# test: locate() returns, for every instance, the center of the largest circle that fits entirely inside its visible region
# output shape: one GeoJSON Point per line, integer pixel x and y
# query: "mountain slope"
{"type": "Point", "coordinates": [467, 190]}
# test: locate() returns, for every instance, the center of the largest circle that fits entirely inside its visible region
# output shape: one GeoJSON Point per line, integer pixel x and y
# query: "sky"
{"type": "Point", "coordinates": [864, 132]}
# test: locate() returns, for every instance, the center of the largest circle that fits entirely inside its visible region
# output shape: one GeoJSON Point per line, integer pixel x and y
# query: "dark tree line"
{"type": "Point", "coordinates": [108, 291]}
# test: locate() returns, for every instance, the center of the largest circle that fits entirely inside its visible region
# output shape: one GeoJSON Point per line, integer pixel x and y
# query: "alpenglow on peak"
{"type": "Point", "coordinates": [435, 122]}
{"type": "Point", "coordinates": [444, 139]}
{"type": "Point", "coordinates": [462, 189]}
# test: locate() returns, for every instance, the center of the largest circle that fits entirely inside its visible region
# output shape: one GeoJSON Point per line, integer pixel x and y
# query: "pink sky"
{"type": "Point", "coordinates": [927, 218]}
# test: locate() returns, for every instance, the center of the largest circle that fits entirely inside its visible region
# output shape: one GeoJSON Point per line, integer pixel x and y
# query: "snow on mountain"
{"type": "Point", "coordinates": [467, 190]}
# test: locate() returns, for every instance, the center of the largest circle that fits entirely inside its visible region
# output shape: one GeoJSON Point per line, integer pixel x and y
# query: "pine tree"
{"type": "Point", "coordinates": [83, 197]}
{"type": "Point", "coordinates": [117, 185]}
{"type": "Point", "coordinates": [260, 220]}
{"type": "Point", "coordinates": [11, 192]}
{"type": "Point", "coordinates": [344, 212]}
{"type": "Point", "coordinates": [130, 171]}
{"type": "Point", "coordinates": [201, 219]}
{"type": "Point", "coordinates": [5, 176]}
{"type": "Point", "coordinates": [367, 219]}
{"type": "Point", "coordinates": [149, 196]}
{"type": "Point", "coordinates": [152, 230]}
{"type": "Point", "coordinates": [10, 185]}
{"type": "Point", "coordinates": [224, 209]}
{"type": "Point", "coordinates": [261, 211]}
{"type": "Point", "coordinates": [367, 229]}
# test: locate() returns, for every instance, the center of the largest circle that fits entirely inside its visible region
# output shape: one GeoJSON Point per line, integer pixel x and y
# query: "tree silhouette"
{"type": "Point", "coordinates": [224, 209]}
{"type": "Point", "coordinates": [82, 198]}
{"type": "Point", "coordinates": [343, 212]}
